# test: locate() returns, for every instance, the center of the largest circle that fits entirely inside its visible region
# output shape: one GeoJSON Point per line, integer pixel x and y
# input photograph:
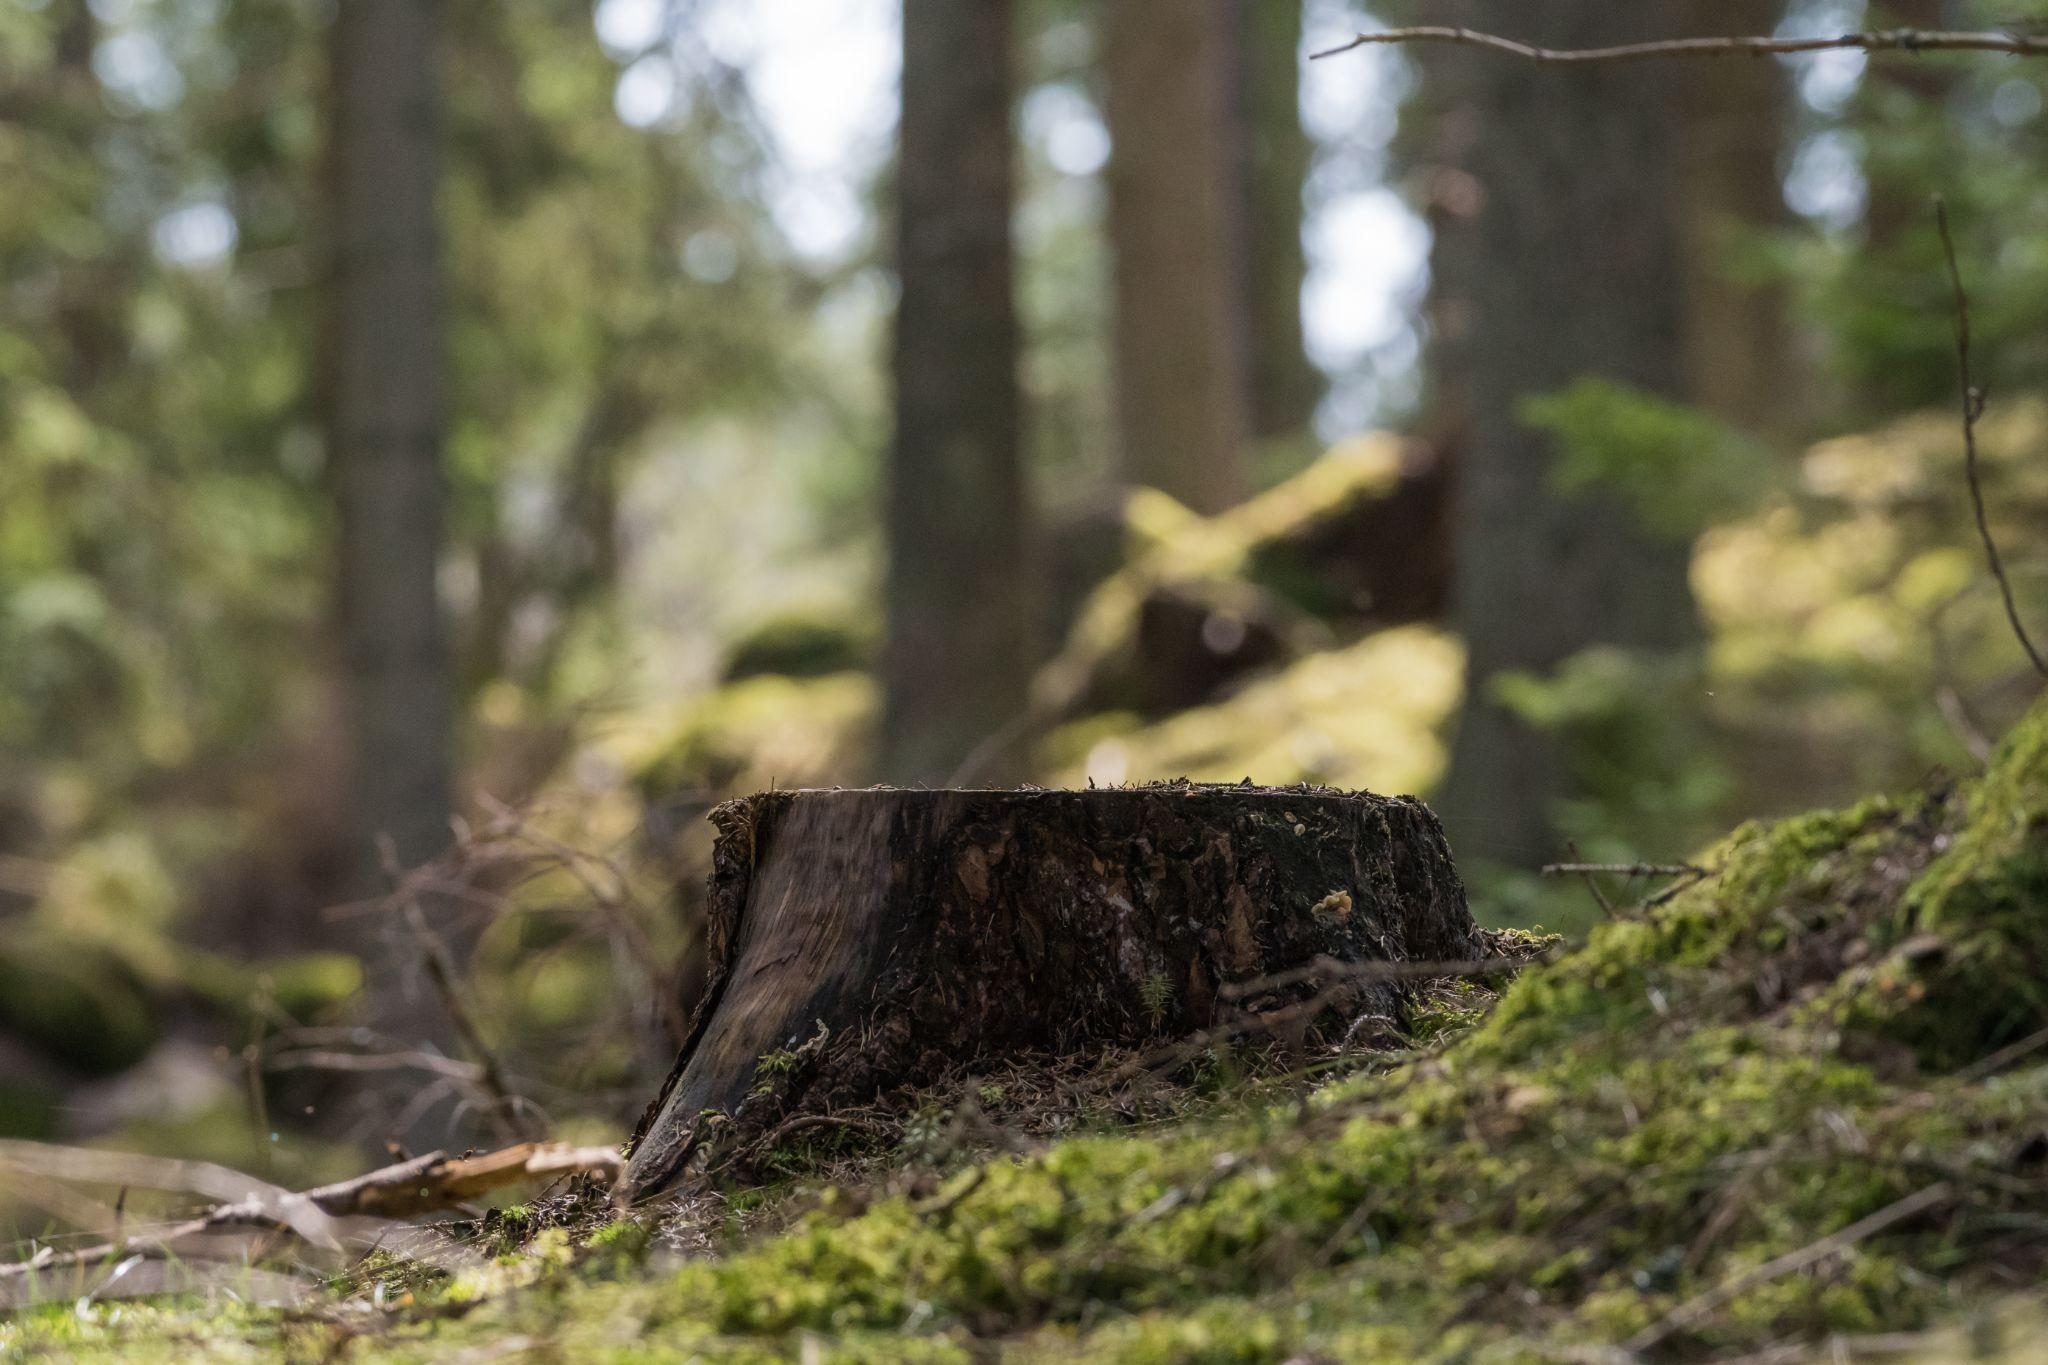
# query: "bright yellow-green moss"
{"type": "Point", "coordinates": [1368, 716]}
{"type": "Point", "coordinates": [765, 731]}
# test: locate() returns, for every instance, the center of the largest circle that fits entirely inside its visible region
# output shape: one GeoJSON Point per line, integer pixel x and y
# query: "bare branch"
{"type": "Point", "coordinates": [1973, 408]}
{"type": "Point", "coordinates": [421, 1185]}
{"type": "Point", "coordinates": [1910, 40]}
{"type": "Point", "coordinates": [1693, 1310]}
{"type": "Point", "coordinates": [1623, 869]}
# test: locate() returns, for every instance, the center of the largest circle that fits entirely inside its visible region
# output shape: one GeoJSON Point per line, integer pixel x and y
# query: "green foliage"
{"type": "Point", "coordinates": [1634, 737]}
{"type": "Point", "coordinates": [1974, 132]}
{"type": "Point", "coordinates": [1679, 470]}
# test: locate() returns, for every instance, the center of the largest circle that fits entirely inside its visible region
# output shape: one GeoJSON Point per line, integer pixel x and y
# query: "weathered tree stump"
{"type": "Point", "coordinates": [863, 940]}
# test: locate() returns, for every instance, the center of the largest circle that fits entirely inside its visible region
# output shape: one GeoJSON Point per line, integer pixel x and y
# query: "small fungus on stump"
{"type": "Point", "coordinates": [864, 940]}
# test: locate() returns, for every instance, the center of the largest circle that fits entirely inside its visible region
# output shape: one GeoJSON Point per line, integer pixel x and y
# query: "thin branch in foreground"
{"type": "Point", "coordinates": [321, 1216]}
{"type": "Point", "coordinates": [1592, 879]}
{"type": "Point", "coordinates": [1911, 40]}
{"type": "Point", "coordinates": [1973, 408]}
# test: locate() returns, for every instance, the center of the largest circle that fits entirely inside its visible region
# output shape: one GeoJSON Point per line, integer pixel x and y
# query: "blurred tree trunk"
{"type": "Point", "coordinates": [1567, 263]}
{"type": "Point", "coordinates": [385, 397]}
{"type": "Point", "coordinates": [94, 288]}
{"type": "Point", "coordinates": [1178, 339]}
{"type": "Point", "coordinates": [1743, 357]}
{"type": "Point", "coordinates": [959, 641]}
{"type": "Point", "coordinates": [1898, 203]}
{"type": "Point", "coordinates": [1274, 153]}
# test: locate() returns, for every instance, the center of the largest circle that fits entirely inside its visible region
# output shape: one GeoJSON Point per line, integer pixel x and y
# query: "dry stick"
{"type": "Point", "coordinates": [1693, 1310]}
{"type": "Point", "coordinates": [2003, 1058]}
{"type": "Point", "coordinates": [1327, 969]}
{"type": "Point", "coordinates": [320, 1059]}
{"type": "Point", "coordinates": [1973, 408]}
{"type": "Point", "coordinates": [1889, 40]}
{"type": "Point", "coordinates": [1591, 876]}
{"type": "Point", "coordinates": [424, 1184]}
{"type": "Point", "coordinates": [1342, 976]}
{"type": "Point", "coordinates": [1623, 869]}
{"type": "Point", "coordinates": [442, 972]}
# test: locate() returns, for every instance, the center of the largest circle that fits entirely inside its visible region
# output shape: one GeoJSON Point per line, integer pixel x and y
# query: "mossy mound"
{"type": "Point", "coordinates": [72, 1004]}
{"type": "Point", "coordinates": [1357, 540]}
{"type": "Point", "coordinates": [1371, 716]}
{"type": "Point", "coordinates": [801, 644]}
{"type": "Point", "coordinates": [765, 732]}
{"type": "Point", "coordinates": [1793, 1102]}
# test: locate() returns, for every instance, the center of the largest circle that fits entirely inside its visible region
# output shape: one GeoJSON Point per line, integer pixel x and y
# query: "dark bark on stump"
{"type": "Point", "coordinates": [867, 940]}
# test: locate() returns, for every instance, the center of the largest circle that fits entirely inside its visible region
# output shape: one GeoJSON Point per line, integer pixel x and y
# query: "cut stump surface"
{"type": "Point", "coordinates": [864, 940]}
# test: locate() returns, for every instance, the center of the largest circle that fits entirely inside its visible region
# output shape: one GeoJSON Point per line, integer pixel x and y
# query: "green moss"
{"type": "Point", "coordinates": [1369, 715]}
{"type": "Point", "coordinates": [763, 732]}
{"type": "Point", "coordinates": [73, 1004]}
{"type": "Point", "coordinates": [801, 645]}
{"type": "Point", "coordinates": [1983, 981]}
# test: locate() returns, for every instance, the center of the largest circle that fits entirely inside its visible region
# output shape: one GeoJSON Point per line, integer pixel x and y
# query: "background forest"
{"type": "Point", "coordinates": [446, 449]}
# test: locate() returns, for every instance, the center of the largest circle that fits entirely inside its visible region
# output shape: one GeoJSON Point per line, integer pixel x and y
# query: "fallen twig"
{"type": "Point", "coordinates": [798, 1123]}
{"type": "Point", "coordinates": [1889, 40]}
{"type": "Point", "coordinates": [1623, 870]}
{"type": "Point", "coordinates": [1973, 408]}
{"type": "Point", "coordinates": [1339, 980]}
{"type": "Point", "coordinates": [1331, 970]}
{"type": "Point", "coordinates": [1694, 1309]}
{"type": "Point", "coordinates": [424, 1184]}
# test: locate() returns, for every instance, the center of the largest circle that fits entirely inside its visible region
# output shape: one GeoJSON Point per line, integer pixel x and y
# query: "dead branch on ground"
{"type": "Point", "coordinates": [361, 1211]}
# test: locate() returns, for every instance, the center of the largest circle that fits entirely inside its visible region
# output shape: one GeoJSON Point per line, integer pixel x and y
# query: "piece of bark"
{"type": "Point", "coordinates": [861, 941]}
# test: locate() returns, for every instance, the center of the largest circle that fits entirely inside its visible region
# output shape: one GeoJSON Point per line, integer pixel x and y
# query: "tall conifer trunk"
{"type": "Point", "coordinates": [1176, 238]}
{"type": "Point", "coordinates": [959, 646]}
{"type": "Point", "coordinates": [1274, 152]}
{"type": "Point", "coordinates": [384, 401]}
{"type": "Point", "coordinates": [1743, 357]}
{"type": "Point", "coordinates": [1568, 265]}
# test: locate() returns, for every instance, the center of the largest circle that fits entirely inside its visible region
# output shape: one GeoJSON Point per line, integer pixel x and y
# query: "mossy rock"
{"type": "Point", "coordinates": [73, 1004]}
{"type": "Point", "coordinates": [1356, 541]}
{"type": "Point", "coordinates": [800, 645]}
{"type": "Point", "coordinates": [1371, 715]}
{"type": "Point", "coordinates": [764, 732]}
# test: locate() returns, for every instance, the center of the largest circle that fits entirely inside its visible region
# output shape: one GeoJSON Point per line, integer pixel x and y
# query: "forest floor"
{"type": "Point", "coordinates": [1799, 1109]}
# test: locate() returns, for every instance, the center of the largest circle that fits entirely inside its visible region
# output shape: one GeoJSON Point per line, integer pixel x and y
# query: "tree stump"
{"type": "Point", "coordinates": [864, 940]}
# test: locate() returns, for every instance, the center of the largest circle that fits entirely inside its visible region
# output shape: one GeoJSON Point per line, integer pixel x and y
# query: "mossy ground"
{"type": "Point", "coordinates": [1627, 1154]}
